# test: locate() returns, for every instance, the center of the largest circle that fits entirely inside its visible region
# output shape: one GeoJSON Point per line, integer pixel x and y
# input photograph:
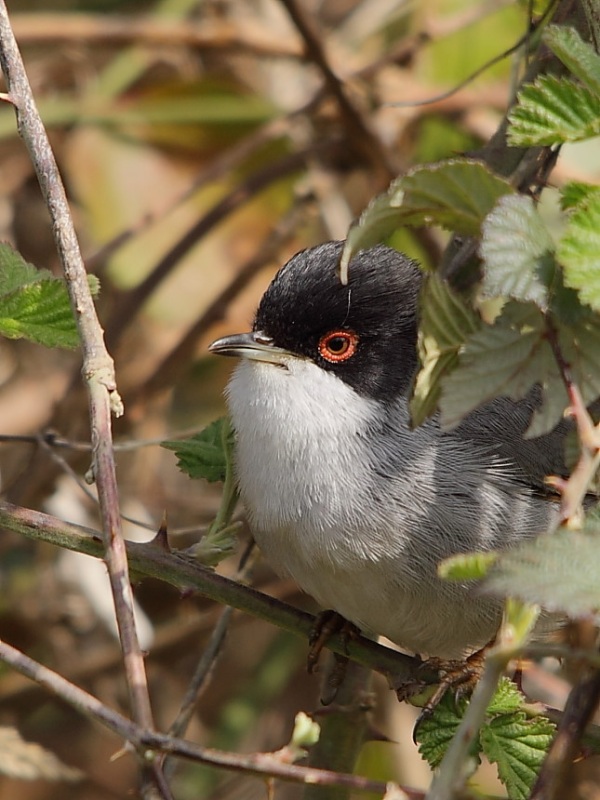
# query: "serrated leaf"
{"type": "Point", "coordinates": [517, 746]}
{"type": "Point", "coordinates": [34, 304]}
{"type": "Point", "coordinates": [552, 111]}
{"type": "Point", "coordinates": [455, 194]}
{"type": "Point", "coordinates": [446, 322]}
{"type": "Point", "coordinates": [510, 356]}
{"type": "Point", "coordinates": [506, 358]}
{"type": "Point", "coordinates": [435, 733]}
{"type": "Point", "coordinates": [576, 193]}
{"type": "Point", "coordinates": [579, 251]}
{"type": "Point", "coordinates": [466, 566]}
{"type": "Point", "coordinates": [517, 252]}
{"type": "Point", "coordinates": [558, 571]}
{"type": "Point", "coordinates": [506, 700]}
{"type": "Point", "coordinates": [578, 56]}
{"type": "Point", "coordinates": [40, 312]}
{"type": "Point", "coordinates": [28, 761]}
{"type": "Point", "coordinates": [15, 272]}
{"type": "Point", "coordinates": [206, 454]}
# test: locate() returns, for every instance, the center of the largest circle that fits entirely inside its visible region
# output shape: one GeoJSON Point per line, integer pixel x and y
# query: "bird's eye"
{"type": "Point", "coordinates": [338, 346]}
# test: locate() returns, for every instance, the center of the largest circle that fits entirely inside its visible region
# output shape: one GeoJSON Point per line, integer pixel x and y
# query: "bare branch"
{"type": "Point", "coordinates": [186, 574]}
{"type": "Point", "coordinates": [149, 743]}
{"type": "Point", "coordinates": [217, 34]}
{"type": "Point", "coordinates": [98, 368]}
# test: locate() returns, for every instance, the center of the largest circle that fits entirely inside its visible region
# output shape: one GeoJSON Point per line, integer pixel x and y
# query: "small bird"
{"type": "Point", "coordinates": [341, 492]}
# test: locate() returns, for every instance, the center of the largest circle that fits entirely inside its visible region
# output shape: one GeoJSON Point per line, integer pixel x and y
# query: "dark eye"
{"type": "Point", "coordinates": [338, 345]}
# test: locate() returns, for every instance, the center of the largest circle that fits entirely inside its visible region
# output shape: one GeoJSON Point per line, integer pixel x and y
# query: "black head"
{"type": "Point", "coordinates": [365, 332]}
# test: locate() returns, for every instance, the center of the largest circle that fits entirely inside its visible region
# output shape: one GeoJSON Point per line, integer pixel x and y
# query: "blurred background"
{"type": "Point", "coordinates": [202, 143]}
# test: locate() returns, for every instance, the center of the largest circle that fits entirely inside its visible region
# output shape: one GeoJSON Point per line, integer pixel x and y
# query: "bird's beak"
{"type": "Point", "coordinates": [256, 346]}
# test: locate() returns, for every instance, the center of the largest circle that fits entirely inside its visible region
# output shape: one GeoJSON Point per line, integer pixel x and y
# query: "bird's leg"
{"type": "Point", "coordinates": [461, 676]}
{"type": "Point", "coordinates": [326, 625]}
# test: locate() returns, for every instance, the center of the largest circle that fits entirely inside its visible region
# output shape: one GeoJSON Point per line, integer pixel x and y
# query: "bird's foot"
{"type": "Point", "coordinates": [461, 676]}
{"type": "Point", "coordinates": [326, 625]}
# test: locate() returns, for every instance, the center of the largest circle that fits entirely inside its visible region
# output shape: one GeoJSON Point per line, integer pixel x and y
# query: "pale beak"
{"type": "Point", "coordinates": [256, 346]}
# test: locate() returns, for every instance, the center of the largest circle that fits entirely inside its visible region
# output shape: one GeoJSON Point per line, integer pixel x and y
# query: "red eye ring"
{"type": "Point", "coordinates": [338, 346]}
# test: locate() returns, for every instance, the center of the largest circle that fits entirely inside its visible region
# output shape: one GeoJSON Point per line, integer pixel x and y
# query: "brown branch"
{"type": "Point", "coordinates": [183, 572]}
{"type": "Point", "coordinates": [553, 781]}
{"type": "Point", "coordinates": [98, 368]}
{"type": "Point", "coordinates": [130, 303]}
{"type": "Point", "coordinates": [40, 28]}
{"type": "Point", "coordinates": [149, 743]}
{"type": "Point", "coordinates": [167, 372]}
{"type": "Point", "coordinates": [365, 142]}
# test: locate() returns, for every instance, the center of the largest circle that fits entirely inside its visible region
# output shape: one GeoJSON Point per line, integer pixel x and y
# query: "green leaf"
{"type": "Point", "coordinates": [579, 251]}
{"type": "Point", "coordinates": [15, 272]}
{"type": "Point", "coordinates": [446, 322]}
{"type": "Point", "coordinates": [576, 193]}
{"type": "Point", "coordinates": [578, 56]}
{"type": "Point", "coordinates": [40, 312]}
{"type": "Point", "coordinates": [558, 571]}
{"type": "Point", "coordinates": [466, 566]}
{"type": "Point", "coordinates": [34, 304]}
{"type": "Point", "coordinates": [506, 358]}
{"type": "Point", "coordinates": [506, 700]}
{"type": "Point", "coordinates": [455, 194]}
{"type": "Point", "coordinates": [517, 746]}
{"type": "Point", "coordinates": [435, 732]}
{"type": "Point", "coordinates": [510, 356]}
{"type": "Point", "coordinates": [552, 111]}
{"type": "Point", "coordinates": [379, 219]}
{"type": "Point", "coordinates": [517, 252]}
{"type": "Point", "coordinates": [206, 454]}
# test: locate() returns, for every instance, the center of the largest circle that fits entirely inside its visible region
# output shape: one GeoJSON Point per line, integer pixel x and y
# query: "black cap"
{"type": "Point", "coordinates": [364, 332]}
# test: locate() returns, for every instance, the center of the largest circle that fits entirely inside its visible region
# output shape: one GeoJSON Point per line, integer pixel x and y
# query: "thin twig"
{"type": "Point", "coordinates": [364, 140]}
{"type": "Point", "coordinates": [98, 368]}
{"type": "Point", "coordinates": [167, 372]}
{"type": "Point", "coordinates": [129, 304]}
{"type": "Point", "coordinates": [209, 656]}
{"type": "Point", "coordinates": [151, 743]}
{"type": "Point", "coordinates": [453, 771]}
{"type": "Point", "coordinates": [216, 34]}
{"type": "Point", "coordinates": [187, 575]}
{"type": "Point", "coordinates": [522, 40]}
{"type": "Point", "coordinates": [552, 781]}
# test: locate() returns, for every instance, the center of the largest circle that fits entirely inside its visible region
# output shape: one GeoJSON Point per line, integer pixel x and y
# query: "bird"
{"type": "Point", "coordinates": [342, 493]}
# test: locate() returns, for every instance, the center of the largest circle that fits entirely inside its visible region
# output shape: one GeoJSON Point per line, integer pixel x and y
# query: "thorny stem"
{"type": "Point", "coordinates": [551, 783]}
{"type": "Point", "coordinates": [186, 574]}
{"type": "Point", "coordinates": [151, 743]}
{"type": "Point", "coordinates": [98, 367]}
{"type": "Point", "coordinates": [574, 489]}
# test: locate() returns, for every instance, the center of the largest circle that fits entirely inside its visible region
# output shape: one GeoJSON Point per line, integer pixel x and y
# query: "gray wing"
{"type": "Point", "coordinates": [501, 425]}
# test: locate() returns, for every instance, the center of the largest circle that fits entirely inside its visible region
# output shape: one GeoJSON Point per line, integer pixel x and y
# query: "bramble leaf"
{"type": "Point", "coordinates": [206, 454]}
{"type": "Point", "coordinates": [518, 746]}
{"type": "Point", "coordinates": [435, 733]}
{"type": "Point", "coordinates": [446, 322]}
{"type": "Point", "coordinates": [577, 193]}
{"type": "Point", "coordinates": [579, 251]}
{"type": "Point", "coordinates": [510, 356]}
{"type": "Point", "coordinates": [517, 252]}
{"type": "Point", "coordinates": [558, 572]}
{"type": "Point", "coordinates": [34, 304]}
{"type": "Point", "coordinates": [552, 111]}
{"type": "Point", "coordinates": [466, 566]}
{"type": "Point", "coordinates": [578, 56]}
{"type": "Point", "coordinates": [455, 194]}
